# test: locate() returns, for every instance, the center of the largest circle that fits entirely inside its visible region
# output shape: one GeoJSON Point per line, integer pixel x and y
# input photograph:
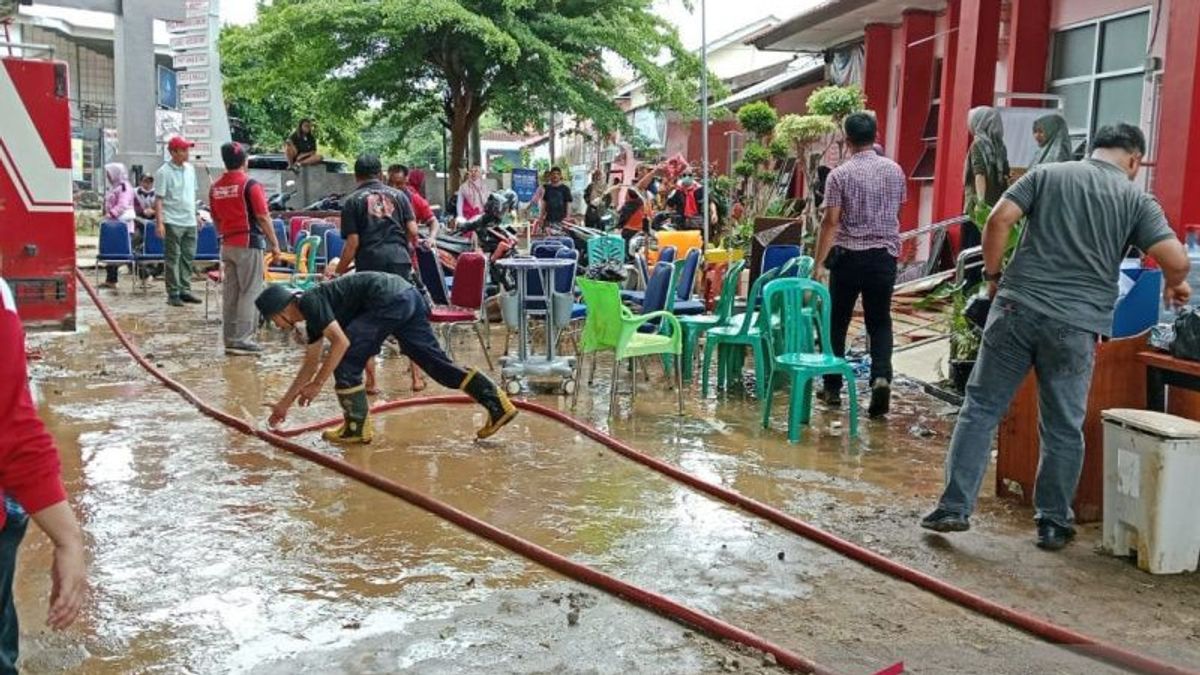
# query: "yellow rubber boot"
{"type": "Point", "coordinates": [500, 410]}
{"type": "Point", "coordinates": [356, 427]}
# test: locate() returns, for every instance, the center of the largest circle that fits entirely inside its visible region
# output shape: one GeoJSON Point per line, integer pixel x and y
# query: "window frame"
{"type": "Point", "coordinates": [1094, 78]}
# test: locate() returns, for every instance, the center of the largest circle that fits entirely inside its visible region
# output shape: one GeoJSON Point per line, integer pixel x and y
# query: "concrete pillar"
{"type": "Point", "coordinates": [916, 96]}
{"type": "Point", "coordinates": [136, 81]}
{"type": "Point", "coordinates": [971, 81]}
{"type": "Point", "coordinates": [1028, 47]}
{"type": "Point", "coordinates": [877, 73]}
{"type": "Point", "coordinates": [1177, 174]}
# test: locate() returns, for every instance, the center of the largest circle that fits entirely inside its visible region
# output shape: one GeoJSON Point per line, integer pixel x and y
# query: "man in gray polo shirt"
{"type": "Point", "coordinates": [1056, 299]}
{"type": "Point", "coordinates": [175, 212]}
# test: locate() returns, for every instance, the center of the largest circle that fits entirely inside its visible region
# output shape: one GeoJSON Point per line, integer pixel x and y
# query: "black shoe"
{"type": "Point", "coordinates": [174, 301]}
{"type": "Point", "coordinates": [831, 398]}
{"type": "Point", "coordinates": [1052, 537]}
{"type": "Point", "coordinates": [942, 520]}
{"type": "Point", "coordinates": [881, 398]}
{"type": "Point", "coordinates": [191, 299]}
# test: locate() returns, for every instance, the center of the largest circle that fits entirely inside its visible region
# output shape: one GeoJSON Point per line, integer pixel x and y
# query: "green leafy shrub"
{"type": "Point", "coordinates": [779, 148]}
{"type": "Point", "coordinates": [755, 153]}
{"type": "Point", "coordinates": [836, 102]}
{"type": "Point", "coordinates": [744, 169]}
{"type": "Point", "coordinates": [758, 118]}
{"type": "Point", "coordinates": [801, 130]}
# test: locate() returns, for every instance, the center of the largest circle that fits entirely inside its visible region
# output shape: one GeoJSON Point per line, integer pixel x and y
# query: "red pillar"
{"type": "Point", "coordinates": [1028, 45]}
{"type": "Point", "coordinates": [916, 95]}
{"type": "Point", "coordinates": [877, 73]}
{"type": "Point", "coordinates": [1177, 174]}
{"type": "Point", "coordinates": [973, 83]}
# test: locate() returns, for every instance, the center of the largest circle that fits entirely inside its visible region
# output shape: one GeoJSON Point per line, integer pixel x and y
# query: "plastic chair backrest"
{"type": "Point", "coordinates": [804, 268]}
{"type": "Point", "coordinates": [208, 244]}
{"type": "Point", "coordinates": [564, 277]}
{"type": "Point", "coordinates": [667, 254]}
{"type": "Point", "coordinates": [470, 281]}
{"type": "Point", "coordinates": [776, 255]}
{"type": "Point", "coordinates": [643, 268]}
{"type": "Point", "coordinates": [797, 303]}
{"type": "Point", "coordinates": [729, 284]}
{"type": "Point", "coordinates": [605, 249]}
{"type": "Point", "coordinates": [431, 275]}
{"type": "Point", "coordinates": [306, 255]}
{"type": "Point", "coordinates": [281, 234]}
{"type": "Point", "coordinates": [295, 225]}
{"type": "Point", "coordinates": [152, 244]}
{"type": "Point", "coordinates": [687, 278]}
{"type": "Point", "coordinates": [333, 244]}
{"type": "Point", "coordinates": [559, 240]}
{"type": "Point", "coordinates": [115, 243]}
{"type": "Point", "coordinates": [659, 288]}
{"type": "Point", "coordinates": [603, 325]}
{"type": "Point", "coordinates": [318, 228]}
{"type": "Point", "coordinates": [753, 300]}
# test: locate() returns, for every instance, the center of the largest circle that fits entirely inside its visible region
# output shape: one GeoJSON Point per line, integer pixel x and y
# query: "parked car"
{"type": "Point", "coordinates": [280, 163]}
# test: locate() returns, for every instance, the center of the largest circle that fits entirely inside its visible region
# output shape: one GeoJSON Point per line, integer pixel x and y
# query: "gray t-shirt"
{"type": "Point", "coordinates": [1083, 216]}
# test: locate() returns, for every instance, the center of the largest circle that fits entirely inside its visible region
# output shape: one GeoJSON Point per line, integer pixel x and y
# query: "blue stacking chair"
{"type": "Point", "coordinates": [431, 275]}
{"type": "Point", "coordinates": [666, 255]}
{"type": "Point", "coordinates": [116, 246]}
{"type": "Point", "coordinates": [208, 244]}
{"type": "Point", "coordinates": [777, 255]}
{"type": "Point", "coordinates": [281, 235]}
{"type": "Point", "coordinates": [317, 229]}
{"type": "Point", "coordinates": [684, 304]}
{"type": "Point", "coordinates": [333, 244]}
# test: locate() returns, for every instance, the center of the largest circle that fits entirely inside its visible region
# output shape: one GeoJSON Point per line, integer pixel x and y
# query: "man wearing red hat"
{"type": "Point", "coordinates": [175, 219]}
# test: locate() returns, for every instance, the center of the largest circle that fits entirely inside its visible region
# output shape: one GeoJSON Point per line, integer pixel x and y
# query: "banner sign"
{"type": "Point", "coordinates": [190, 77]}
{"type": "Point", "coordinates": [191, 60]}
{"type": "Point", "coordinates": [525, 183]}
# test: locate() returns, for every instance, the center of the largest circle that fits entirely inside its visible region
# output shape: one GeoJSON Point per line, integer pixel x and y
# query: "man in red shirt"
{"type": "Point", "coordinates": [398, 178]}
{"type": "Point", "coordinates": [30, 484]}
{"type": "Point", "coordinates": [239, 209]}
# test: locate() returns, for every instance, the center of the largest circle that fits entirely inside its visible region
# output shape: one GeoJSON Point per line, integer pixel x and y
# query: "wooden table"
{"type": "Point", "coordinates": [1164, 370]}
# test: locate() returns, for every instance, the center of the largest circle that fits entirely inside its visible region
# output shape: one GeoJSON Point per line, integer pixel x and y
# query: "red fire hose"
{"type": "Point", "coordinates": [1052, 633]}
{"type": "Point", "coordinates": [523, 547]}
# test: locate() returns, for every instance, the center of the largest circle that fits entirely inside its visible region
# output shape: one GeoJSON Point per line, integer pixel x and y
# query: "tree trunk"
{"type": "Point", "coordinates": [463, 117]}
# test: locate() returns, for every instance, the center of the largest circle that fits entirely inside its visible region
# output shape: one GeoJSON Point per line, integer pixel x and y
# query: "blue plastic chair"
{"type": "Point", "coordinates": [777, 255]}
{"type": "Point", "coordinates": [658, 293]}
{"type": "Point", "coordinates": [560, 240]}
{"type": "Point", "coordinates": [334, 244]}
{"type": "Point", "coordinates": [116, 246]}
{"type": "Point", "coordinates": [684, 304]}
{"type": "Point", "coordinates": [318, 228]}
{"type": "Point", "coordinates": [208, 244]}
{"type": "Point", "coordinates": [281, 235]}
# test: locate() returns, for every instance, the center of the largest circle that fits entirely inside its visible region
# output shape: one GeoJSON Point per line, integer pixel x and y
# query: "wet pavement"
{"type": "Point", "coordinates": [213, 552]}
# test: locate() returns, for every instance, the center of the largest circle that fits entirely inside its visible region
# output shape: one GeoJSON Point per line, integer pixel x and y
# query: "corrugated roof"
{"type": "Point", "coordinates": [803, 67]}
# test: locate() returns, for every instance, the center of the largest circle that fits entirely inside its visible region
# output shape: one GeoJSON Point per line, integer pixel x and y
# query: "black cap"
{"type": "Point", "coordinates": [233, 154]}
{"type": "Point", "coordinates": [367, 166]}
{"type": "Point", "coordinates": [273, 300]}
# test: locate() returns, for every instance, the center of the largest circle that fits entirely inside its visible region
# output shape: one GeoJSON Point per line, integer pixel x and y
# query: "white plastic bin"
{"type": "Point", "coordinates": [1151, 504]}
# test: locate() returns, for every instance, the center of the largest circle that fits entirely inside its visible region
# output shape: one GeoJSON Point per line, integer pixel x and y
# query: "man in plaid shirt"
{"type": "Point", "coordinates": [859, 244]}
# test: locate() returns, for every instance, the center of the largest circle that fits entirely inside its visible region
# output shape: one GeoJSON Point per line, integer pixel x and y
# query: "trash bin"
{"type": "Point", "coordinates": [1151, 461]}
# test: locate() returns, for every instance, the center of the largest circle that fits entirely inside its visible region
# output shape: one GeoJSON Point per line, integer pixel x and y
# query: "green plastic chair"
{"type": "Point", "coordinates": [799, 303]}
{"type": "Point", "coordinates": [608, 248]}
{"type": "Point", "coordinates": [744, 330]}
{"type": "Point", "coordinates": [695, 326]}
{"type": "Point", "coordinates": [304, 275]}
{"type": "Point", "coordinates": [610, 326]}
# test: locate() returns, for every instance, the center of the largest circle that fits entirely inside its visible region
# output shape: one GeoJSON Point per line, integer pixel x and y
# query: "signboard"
{"type": "Point", "coordinates": [195, 95]}
{"type": "Point", "coordinates": [196, 5]}
{"type": "Point", "coordinates": [202, 149]}
{"type": "Point", "coordinates": [525, 183]}
{"type": "Point", "coordinates": [189, 77]}
{"type": "Point", "coordinates": [194, 131]}
{"type": "Point", "coordinates": [182, 42]}
{"type": "Point", "coordinates": [77, 159]}
{"type": "Point", "coordinates": [191, 60]}
{"type": "Point", "coordinates": [198, 24]}
{"type": "Point", "coordinates": [196, 115]}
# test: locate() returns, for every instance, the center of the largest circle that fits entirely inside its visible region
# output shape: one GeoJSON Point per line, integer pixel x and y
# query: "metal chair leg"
{"type": "Point", "coordinates": [616, 380]}
{"type": "Point", "coordinates": [578, 380]}
{"type": "Point", "coordinates": [482, 345]}
{"type": "Point", "coordinates": [679, 381]}
{"type": "Point", "coordinates": [592, 371]}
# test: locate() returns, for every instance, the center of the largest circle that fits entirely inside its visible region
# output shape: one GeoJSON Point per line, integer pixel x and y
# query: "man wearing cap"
{"type": "Point", "coordinates": [175, 220]}
{"type": "Point", "coordinates": [239, 208]}
{"type": "Point", "coordinates": [356, 313]}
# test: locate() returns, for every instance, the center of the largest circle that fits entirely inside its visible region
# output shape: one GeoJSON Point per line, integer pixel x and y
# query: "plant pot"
{"type": "Point", "coordinates": [960, 373]}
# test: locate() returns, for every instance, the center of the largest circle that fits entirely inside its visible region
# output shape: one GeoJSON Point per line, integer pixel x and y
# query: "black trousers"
{"type": "Point", "coordinates": [871, 275]}
{"type": "Point", "coordinates": [405, 317]}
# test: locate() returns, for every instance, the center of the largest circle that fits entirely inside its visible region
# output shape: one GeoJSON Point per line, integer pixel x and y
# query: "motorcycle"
{"type": "Point", "coordinates": [488, 232]}
{"type": "Point", "coordinates": [278, 201]}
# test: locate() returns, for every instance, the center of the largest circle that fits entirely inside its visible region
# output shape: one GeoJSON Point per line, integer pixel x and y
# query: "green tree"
{"type": "Point", "coordinates": [410, 60]}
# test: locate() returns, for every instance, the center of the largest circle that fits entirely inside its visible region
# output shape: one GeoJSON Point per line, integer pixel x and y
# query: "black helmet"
{"type": "Point", "coordinates": [274, 299]}
{"type": "Point", "coordinates": [494, 206]}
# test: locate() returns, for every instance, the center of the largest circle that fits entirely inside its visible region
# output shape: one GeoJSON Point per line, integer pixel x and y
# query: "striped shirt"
{"type": "Point", "coordinates": [869, 189]}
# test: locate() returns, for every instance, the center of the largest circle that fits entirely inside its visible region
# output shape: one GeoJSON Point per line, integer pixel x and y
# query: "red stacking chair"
{"type": "Point", "coordinates": [466, 301]}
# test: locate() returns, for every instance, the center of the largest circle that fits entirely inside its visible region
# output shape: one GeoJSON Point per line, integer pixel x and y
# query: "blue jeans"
{"type": "Point", "coordinates": [10, 540]}
{"type": "Point", "coordinates": [1015, 340]}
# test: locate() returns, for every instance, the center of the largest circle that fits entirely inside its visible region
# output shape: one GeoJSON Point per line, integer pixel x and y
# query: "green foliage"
{"type": "Point", "coordinates": [755, 153]}
{"type": "Point", "coordinates": [965, 338]}
{"type": "Point", "coordinates": [741, 236]}
{"type": "Point", "coordinates": [836, 102]}
{"type": "Point", "coordinates": [500, 165]}
{"type": "Point", "coordinates": [542, 165]}
{"type": "Point", "coordinates": [724, 184]}
{"type": "Point", "coordinates": [767, 178]}
{"type": "Point", "coordinates": [744, 169]}
{"type": "Point", "coordinates": [396, 63]}
{"type": "Point", "coordinates": [779, 149]}
{"type": "Point", "coordinates": [781, 208]}
{"type": "Point", "coordinates": [758, 118]}
{"type": "Point", "coordinates": [799, 131]}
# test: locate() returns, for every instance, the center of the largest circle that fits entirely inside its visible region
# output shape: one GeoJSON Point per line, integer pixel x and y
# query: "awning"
{"type": "Point", "coordinates": [834, 22]}
{"type": "Point", "coordinates": [806, 67]}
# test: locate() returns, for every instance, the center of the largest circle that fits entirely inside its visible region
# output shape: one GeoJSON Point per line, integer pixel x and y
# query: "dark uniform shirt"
{"type": "Point", "coordinates": [379, 215]}
{"type": "Point", "coordinates": [344, 298]}
{"type": "Point", "coordinates": [557, 197]}
{"type": "Point", "coordinates": [304, 143]}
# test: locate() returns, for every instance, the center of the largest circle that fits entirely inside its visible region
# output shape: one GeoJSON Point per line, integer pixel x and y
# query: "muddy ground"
{"type": "Point", "coordinates": [214, 553]}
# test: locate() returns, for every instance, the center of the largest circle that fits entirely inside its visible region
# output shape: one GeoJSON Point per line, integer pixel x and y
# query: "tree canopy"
{"type": "Point", "coordinates": [401, 62]}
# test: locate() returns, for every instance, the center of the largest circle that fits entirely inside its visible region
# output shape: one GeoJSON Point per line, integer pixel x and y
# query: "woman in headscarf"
{"type": "Point", "coordinates": [118, 205]}
{"type": "Point", "coordinates": [471, 194]}
{"type": "Point", "coordinates": [986, 171]}
{"type": "Point", "coordinates": [1053, 139]}
{"type": "Point", "coordinates": [416, 179]}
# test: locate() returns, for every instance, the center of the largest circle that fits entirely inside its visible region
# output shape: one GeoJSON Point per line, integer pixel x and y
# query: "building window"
{"type": "Point", "coordinates": [1098, 68]}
